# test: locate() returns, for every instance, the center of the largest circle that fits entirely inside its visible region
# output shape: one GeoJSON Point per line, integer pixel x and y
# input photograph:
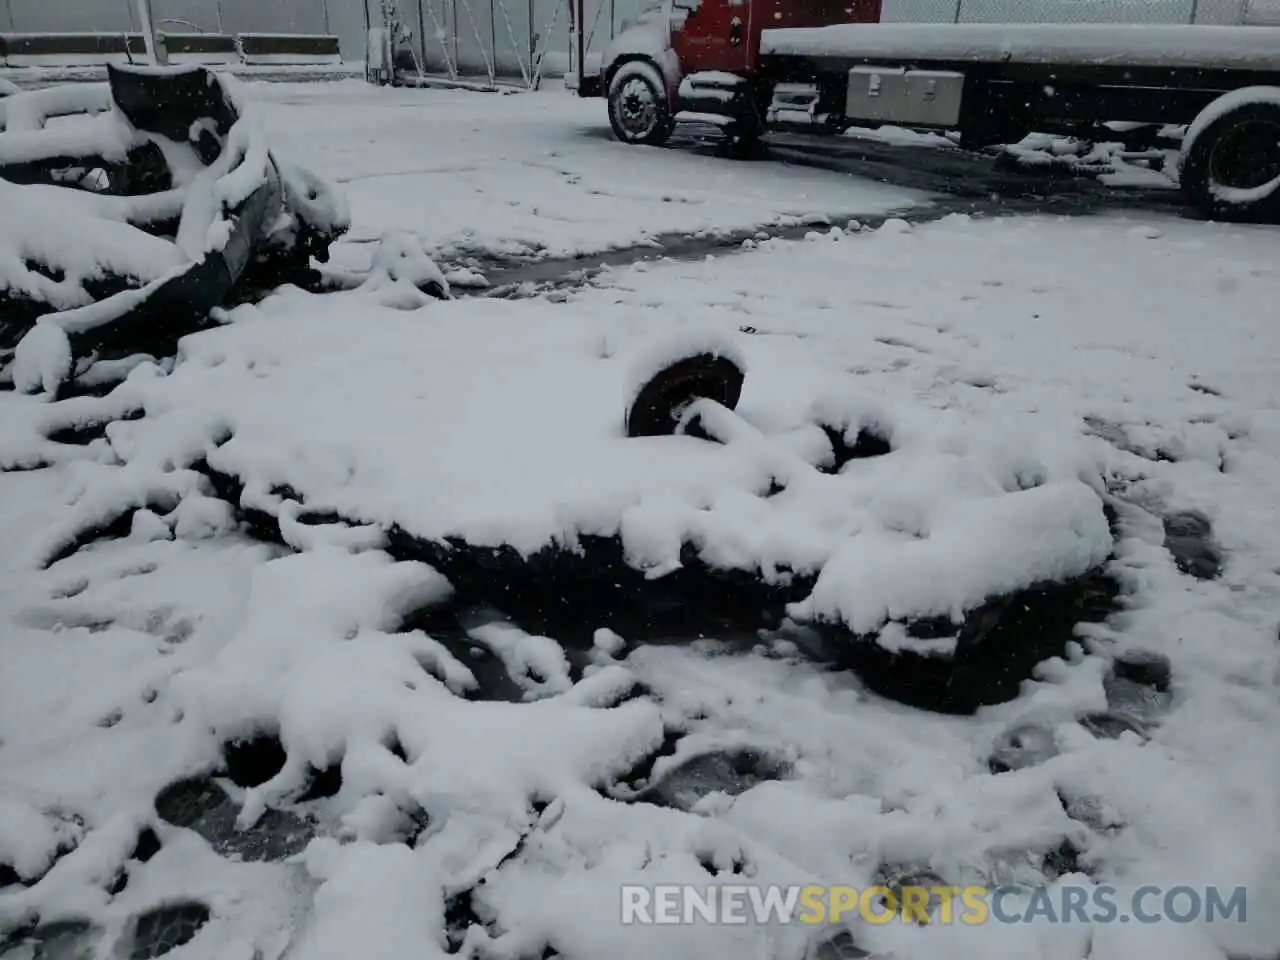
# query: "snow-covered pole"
{"type": "Point", "coordinates": [577, 9]}
{"type": "Point", "coordinates": [149, 37]}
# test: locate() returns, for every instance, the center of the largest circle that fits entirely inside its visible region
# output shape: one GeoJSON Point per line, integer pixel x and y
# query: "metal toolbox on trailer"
{"type": "Point", "coordinates": [927, 98]}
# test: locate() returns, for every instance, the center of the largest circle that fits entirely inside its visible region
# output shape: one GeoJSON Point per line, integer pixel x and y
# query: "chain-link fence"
{"type": "Point", "coordinates": [198, 16]}
{"type": "Point", "coordinates": [342, 18]}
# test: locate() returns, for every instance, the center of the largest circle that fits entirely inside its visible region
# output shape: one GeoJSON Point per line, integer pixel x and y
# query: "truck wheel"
{"type": "Point", "coordinates": [638, 108]}
{"type": "Point", "coordinates": [1231, 157]}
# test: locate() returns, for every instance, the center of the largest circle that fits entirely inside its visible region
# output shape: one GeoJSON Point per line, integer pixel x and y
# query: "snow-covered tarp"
{"type": "Point", "coordinates": [1121, 45]}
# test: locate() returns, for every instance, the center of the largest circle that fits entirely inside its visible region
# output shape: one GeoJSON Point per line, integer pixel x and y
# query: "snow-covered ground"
{"type": "Point", "coordinates": [533, 174]}
{"type": "Point", "coordinates": [1019, 367]}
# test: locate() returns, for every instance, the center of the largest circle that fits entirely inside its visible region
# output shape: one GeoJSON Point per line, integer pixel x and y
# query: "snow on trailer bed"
{"type": "Point", "coordinates": [1119, 45]}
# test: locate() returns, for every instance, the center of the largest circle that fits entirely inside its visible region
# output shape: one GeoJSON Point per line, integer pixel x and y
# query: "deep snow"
{"type": "Point", "coordinates": [1011, 362]}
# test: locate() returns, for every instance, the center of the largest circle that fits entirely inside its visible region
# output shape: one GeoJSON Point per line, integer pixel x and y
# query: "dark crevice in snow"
{"type": "Point", "coordinates": [30, 465]}
{"type": "Point", "coordinates": [1205, 389]}
{"type": "Point", "coordinates": [638, 777]}
{"type": "Point", "coordinates": [1063, 860]}
{"type": "Point", "coordinates": [86, 431]}
{"type": "Point", "coordinates": [118, 883]}
{"type": "Point", "coordinates": [100, 377]}
{"type": "Point", "coordinates": [560, 592]}
{"type": "Point", "coordinates": [319, 518]}
{"type": "Point", "coordinates": [148, 846]}
{"type": "Point", "coordinates": [8, 876]}
{"type": "Point", "coordinates": [866, 444]}
{"type": "Point", "coordinates": [396, 748]}
{"type": "Point", "coordinates": [56, 274]}
{"type": "Point", "coordinates": [1113, 519]}
{"type": "Point", "coordinates": [254, 761]}
{"type": "Point", "coordinates": [113, 526]}
{"type": "Point", "coordinates": [447, 624]}
{"type": "Point", "coordinates": [459, 917]}
{"type": "Point", "coordinates": [710, 862]}
{"type": "Point", "coordinates": [1188, 536]}
{"type": "Point", "coordinates": [997, 647]}
{"type": "Point", "coordinates": [258, 523]}
{"type": "Point", "coordinates": [323, 784]}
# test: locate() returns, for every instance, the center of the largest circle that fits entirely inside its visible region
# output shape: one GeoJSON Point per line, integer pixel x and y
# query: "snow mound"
{"type": "Point", "coordinates": [61, 231]}
{"type": "Point", "coordinates": [42, 360]}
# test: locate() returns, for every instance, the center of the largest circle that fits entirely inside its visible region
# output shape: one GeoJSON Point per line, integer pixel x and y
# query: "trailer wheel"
{"type": "Point", "coordinates": [1231, 157]}
{"type": "Point", "coordinates": [639, 111]}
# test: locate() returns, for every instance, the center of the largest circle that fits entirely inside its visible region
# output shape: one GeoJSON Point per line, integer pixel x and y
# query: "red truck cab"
{"type": "Point", "coordinates": [724, 35]}
{"type": "Point", "coordinates": [697, 57]}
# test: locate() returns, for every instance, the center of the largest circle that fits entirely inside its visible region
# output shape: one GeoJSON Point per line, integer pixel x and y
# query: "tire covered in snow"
{"type": "Point", "coordinates": [1231, 157]}
{"type": "Point", "coordinates": [655, 411]}
{"type": "Point", "coordinates": [639, 109]}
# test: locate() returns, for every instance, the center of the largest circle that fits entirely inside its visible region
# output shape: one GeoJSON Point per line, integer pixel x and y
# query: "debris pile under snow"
{"type": "Point", "coordinates": [411, 424]}
{"type": "Point", "coordinates": [83, 260]}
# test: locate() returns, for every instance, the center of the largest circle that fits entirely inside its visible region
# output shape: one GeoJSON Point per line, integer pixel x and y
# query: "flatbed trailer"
{"type": "Point", "coordinates": [724, 61]}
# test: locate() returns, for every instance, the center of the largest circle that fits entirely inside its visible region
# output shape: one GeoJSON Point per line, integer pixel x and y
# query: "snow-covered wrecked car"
{"type": "Point", "coordinates": [939, 557]}
{"type": "Point", "coordinates": [135, 207]}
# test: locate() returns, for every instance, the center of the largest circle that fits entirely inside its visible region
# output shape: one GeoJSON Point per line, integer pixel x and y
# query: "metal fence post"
{"type": "Point", "coordinates": [157, 56]}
